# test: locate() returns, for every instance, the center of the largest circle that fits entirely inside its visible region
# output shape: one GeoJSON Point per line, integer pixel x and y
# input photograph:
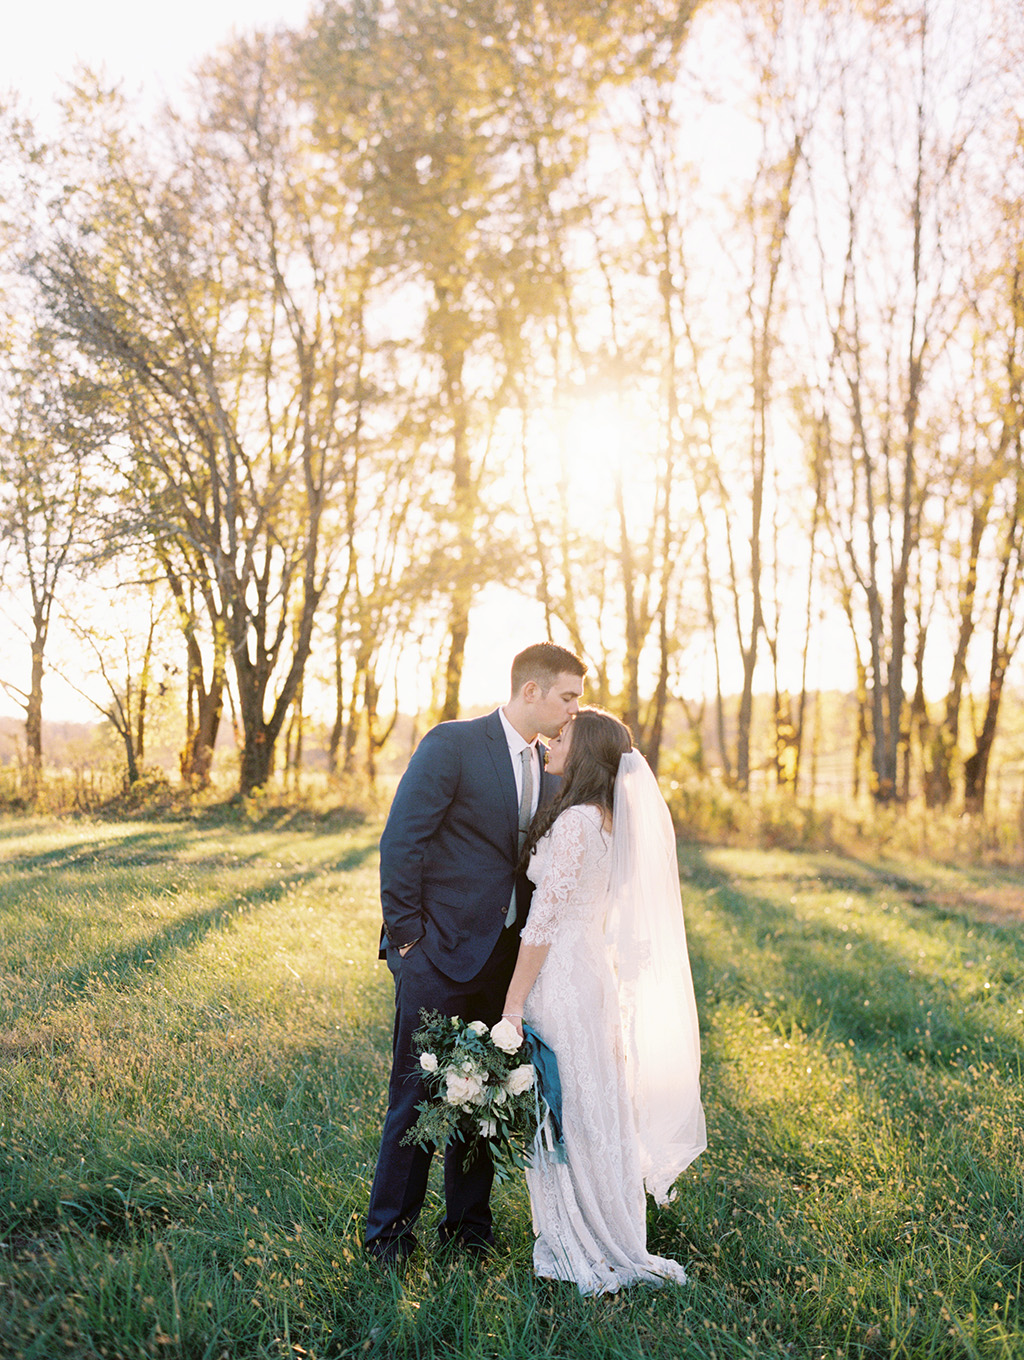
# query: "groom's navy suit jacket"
{"type": "Point", "coordinates": [449, 850]}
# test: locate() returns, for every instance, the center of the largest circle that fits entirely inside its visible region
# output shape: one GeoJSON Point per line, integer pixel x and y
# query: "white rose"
{"type": "Point", "coordinates": [520, 1079]}
{"type": "Point", "coordinates": [499, 1096]}
{"type": "Point", "coordinates": [488, 1128]}
{"type": "Point", "coordinates": [505, 1036]}
{"type": "Point", "coordinates": [456, 1089]}
{"type": "Point", "coordinates": [463, 1090]}
{"type": "Point", "coordinates": [477, 1026]}
{"type": "Point", "coordinates": [428, 1061]}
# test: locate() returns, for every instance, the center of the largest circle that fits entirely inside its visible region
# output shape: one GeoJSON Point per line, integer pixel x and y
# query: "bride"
{"type": "Point", "coordinates": [603, 978]}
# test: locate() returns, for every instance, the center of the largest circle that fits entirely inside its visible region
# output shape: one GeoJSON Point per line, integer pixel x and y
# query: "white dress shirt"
{"type": "Point", "coordinates": [517, 744]}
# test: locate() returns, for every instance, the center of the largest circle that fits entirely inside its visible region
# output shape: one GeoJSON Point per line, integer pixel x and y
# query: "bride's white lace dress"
{"type": "Point", "coordinates": [589, 1212]}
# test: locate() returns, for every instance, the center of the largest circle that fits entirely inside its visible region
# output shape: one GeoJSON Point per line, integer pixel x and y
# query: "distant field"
{"type": "Point", "coordinates": [193, 1053]}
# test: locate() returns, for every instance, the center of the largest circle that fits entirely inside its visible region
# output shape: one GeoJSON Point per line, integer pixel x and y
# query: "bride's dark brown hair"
{"type": "Point", "coordinates": [597, 743]}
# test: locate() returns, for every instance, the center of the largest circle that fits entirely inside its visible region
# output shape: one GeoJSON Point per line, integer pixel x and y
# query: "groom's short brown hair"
{"type": "Point", "coordinates": [543, 663]}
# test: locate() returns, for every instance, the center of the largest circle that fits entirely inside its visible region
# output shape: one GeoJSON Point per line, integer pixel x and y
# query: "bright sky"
{"type": "Point", "coordinates": [148, 47]}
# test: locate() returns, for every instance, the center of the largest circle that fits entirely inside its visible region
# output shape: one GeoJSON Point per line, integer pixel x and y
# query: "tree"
{"type": "Point", "coordinates": [215, 300]}
{"type": "Point", "coordinates": [50, 428]}
{"type": "Point", "coordinates": [467, 176]}
{"type": "Point", "coordinates": [1005, 428]}
{"type": "Point", "coordinates": [120, 634]}
{"type": "Point", "coordinates": [892, 305]}
{"type": "Point", "coordinates": [48, 494]}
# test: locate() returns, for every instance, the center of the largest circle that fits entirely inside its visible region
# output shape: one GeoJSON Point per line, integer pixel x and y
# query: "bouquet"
{"type": "Point", "coordinates": [481, 1089]}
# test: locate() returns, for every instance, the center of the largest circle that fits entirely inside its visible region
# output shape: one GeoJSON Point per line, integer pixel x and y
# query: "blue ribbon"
{"type": "Point", "coordinates": [547, 1091]}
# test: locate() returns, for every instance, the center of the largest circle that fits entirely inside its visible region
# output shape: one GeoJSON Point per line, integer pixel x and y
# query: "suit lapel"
{"type": "Point", "coordinates": [497, 745]}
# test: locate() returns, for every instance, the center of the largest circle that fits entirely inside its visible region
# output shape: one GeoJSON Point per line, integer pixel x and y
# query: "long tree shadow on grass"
{"type": "Point", "coordinates": [150, 850]}
{"type": "Point", "coordinates": [966, 891]}
{"type": "Point", "coordinates": [830, 975]}
{"type": "Point", "coordinates": [308, 1116]}
{"type": "Point", "coordinates": [828, 980]}
{"type": "Point", "coordinates": [994, 896]}
{"type": "Point", "coordinates": [145, 848]}
{"type": "Point", "coordinates": [165, 841]}
{"type": "Point", "coordinates": [126, 848]}
{"type": "Point", "coordinates": [126, 968]}
{"type": "Point", "coordinates": [745, 1221]}
{"type": "Point", "coordinates": [311, 1121]}
{"type": "Point", "coordinates": [131, 849]}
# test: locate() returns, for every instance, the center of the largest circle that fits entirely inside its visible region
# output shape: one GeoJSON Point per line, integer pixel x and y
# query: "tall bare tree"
{"type": "Point", "coordinates": [891, 310]}
{"type": "Point", "coordinates": [49, 488]}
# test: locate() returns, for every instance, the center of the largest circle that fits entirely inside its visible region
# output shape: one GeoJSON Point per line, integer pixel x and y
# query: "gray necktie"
{"type": "Point", "coordinates": [526, 797]}
{"type": "Point", "coordinates": [525, 816]}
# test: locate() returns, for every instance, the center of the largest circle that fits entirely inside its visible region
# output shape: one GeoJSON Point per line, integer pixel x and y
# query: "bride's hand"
{"type": "Point", "coordinates": [514, 1019]}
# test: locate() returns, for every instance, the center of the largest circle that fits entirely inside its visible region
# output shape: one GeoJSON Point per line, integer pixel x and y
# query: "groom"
{"type": "Point", "coordinates": [454, 905]}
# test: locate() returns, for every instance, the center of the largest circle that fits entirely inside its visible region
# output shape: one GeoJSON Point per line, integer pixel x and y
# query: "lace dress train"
{"type": "Point", "coordinates": [590, 1211]}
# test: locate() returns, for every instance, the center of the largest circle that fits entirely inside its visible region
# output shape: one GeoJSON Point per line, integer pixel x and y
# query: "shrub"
{"type": "Point", "coordinates": [708, 812]}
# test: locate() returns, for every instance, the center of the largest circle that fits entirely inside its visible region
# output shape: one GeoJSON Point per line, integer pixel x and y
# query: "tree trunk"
{"type": "Point", "coordinates": [656, 719]}
{"type": "Point", "coordinates": [945, 736]}
{"type": "Point", "coordinates": [130, 761]}
{"type": "Point", "coordinates": [338, 725]}
{"type": "Point", "coordinates": [976, 764]}
{"type": "Point", "coordinates": [631, 665]}
{"type": "Point", "coordinates": [294, 741]}
{"type": "Point", "coordinates": [862, 736]}
{"type": "Point", "coordinates": [745, 717]}
{"type": "Point", "coordinates": [253, 677]}
{"type": "Point", "coordinates": [196, 759]}
{"type": "Point", "coordinates": [145, 678]}
{"type": "Point", "coordinates": [458, 632]}
{"type": "Point", "coordinates": [748, 650]}
{"type": "Point", "coordinates": [820, 444]}
{"type": "Point", "coordinates": [205, 703]}
{"type": "Point", "coordinates": [1005, 638]}
{"type": "Point", "coordinates": [375, 738]}
{"type": "Point", "coordinates": [453, 339]}
{"type": "Point", "coordinates": [34, 704]}
{"type": "Point", "coordinates": [256, 765]}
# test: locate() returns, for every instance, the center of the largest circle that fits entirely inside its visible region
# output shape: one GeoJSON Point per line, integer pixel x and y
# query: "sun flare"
{"type": "Point", "coordinates": [596, 448]}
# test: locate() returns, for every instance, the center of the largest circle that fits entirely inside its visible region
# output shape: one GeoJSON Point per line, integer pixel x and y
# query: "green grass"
{"type": "Point", "coordinates": [193, 1054]}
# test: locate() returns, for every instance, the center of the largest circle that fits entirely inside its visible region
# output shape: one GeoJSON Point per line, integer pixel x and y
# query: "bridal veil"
{"type": "Point", "coordinates": [646, 939]}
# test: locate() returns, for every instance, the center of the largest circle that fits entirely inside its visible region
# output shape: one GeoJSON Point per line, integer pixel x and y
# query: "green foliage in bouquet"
{"type": "Point", "coordinates": [481, 1090]}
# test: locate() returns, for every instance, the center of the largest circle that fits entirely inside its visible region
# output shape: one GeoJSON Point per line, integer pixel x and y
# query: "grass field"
{"type": "Point", "coordinates": [193, 1054]}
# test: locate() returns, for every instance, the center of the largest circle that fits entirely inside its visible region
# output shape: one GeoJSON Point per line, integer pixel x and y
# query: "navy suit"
{"type": "Point", "coordinates": [447, 871]}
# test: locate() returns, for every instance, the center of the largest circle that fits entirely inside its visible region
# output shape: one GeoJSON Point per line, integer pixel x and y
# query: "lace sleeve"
{"type": "Point", "coordinates": [559, 884]}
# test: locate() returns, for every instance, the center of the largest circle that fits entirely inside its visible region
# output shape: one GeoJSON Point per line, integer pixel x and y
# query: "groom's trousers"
{"type": "Point", "coordinates": [400, 1183]}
